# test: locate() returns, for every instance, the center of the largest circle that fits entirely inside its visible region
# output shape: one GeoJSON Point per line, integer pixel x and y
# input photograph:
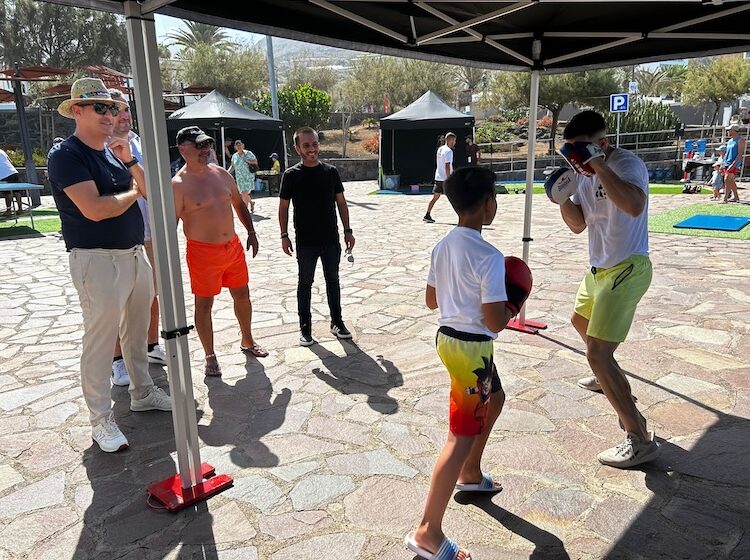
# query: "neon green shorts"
{"type": "Point", "coordinates": [608, 297]}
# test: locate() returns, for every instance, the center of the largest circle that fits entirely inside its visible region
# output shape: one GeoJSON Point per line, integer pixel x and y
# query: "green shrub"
{"type": "Point", "coordinates": [643, 116]}
{"type": "Point", "coordinates": [17, 159]}
{"type": "Point", "coordinates": [493, 131]}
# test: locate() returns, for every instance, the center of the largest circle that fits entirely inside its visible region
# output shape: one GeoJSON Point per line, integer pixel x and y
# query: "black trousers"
{"type": "Point", "coordinates": [307, 260]}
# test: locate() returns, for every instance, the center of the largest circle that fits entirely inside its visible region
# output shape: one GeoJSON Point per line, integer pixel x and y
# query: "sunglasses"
{"type": "Point", "coordinates": [102, 108]}
{"type": "Point", "coordinates": [204, 144]}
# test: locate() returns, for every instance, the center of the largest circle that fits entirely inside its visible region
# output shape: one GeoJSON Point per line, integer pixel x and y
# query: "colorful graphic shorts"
{"type": "Point", "coordinates": [468, 359]}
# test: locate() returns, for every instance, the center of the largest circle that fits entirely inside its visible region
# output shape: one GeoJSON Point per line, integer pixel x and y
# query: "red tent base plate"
{"type": "Point", "coordinates": [528, 327]}
{"type": "Point", "coordinates": [174, 497]}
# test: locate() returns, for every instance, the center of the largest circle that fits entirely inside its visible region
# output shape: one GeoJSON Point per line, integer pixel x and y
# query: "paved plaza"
{"type": "Point", "coordinates": [331, 447]}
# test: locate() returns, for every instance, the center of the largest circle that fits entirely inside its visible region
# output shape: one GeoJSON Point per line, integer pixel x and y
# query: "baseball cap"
{"type": "Point", "coordinates": [192, 134]}
{"type": "Point", "coordinates": [722, 148]}
{"type": "Point", "coordinates": [274, 155]}
{"type": "Point", "coordinates": [735, 127]}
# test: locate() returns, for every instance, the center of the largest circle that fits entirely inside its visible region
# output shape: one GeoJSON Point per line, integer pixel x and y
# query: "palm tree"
{"type": "Point", "coordinates": [198, 34]}
{"type": "Point", "coordinates": [652, 82]}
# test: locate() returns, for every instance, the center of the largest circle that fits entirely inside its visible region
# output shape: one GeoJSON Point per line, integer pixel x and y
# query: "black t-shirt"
{"type": "Point", "coordinates": [72, 162]}
{"type": "Point", "coordinates": [473, 153]}
{"type": "Point", "coordinates": [313, 191]}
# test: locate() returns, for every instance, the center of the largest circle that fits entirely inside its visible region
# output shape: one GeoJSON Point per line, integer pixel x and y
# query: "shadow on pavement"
{"type": "Point", "coordinates": [243, 413]}
{"type": "Point", "coordinates": [701, 503]}
{"type": "Point", "coordinates": [118, 523]}
{"type": "Point", "coordinates": [358, 373]}
{"type": "Point", "coordinates": [546, 545]}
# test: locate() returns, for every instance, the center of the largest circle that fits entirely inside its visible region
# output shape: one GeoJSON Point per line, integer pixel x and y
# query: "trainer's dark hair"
{"type": "Point", "coordinates": [303, 130]}
{"type": "Point", "coordinates": [585, 123]}
{"type": "Point", "coordinates": [469, 187]}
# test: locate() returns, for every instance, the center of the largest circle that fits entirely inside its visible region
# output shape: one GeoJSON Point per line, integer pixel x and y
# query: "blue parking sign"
{"type": "Point", "coordinates": [618, 102]}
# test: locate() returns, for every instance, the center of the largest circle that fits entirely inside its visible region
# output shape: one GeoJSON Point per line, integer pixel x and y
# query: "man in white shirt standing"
{"type": "Point", "coordinates": [612, 203]}
{"type": "Point", "coordinates": [156, 355]}
{"type": "Point", "coordinates": [444, 161]}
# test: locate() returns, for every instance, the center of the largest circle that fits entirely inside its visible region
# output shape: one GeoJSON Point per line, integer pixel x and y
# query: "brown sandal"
{"type": "Point", "coordinates": [256, 350]}
{"type": "Point", "coordinates": [212, 370]}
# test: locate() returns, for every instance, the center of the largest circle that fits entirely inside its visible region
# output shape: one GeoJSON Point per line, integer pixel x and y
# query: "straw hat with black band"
{"type": "Point", "coordinates": [87, 90]}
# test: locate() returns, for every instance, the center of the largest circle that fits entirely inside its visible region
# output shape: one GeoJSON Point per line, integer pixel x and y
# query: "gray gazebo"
{"type": "Point", "coordinates": [538, 36]}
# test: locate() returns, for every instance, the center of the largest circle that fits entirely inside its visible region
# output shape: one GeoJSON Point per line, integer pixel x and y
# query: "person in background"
{"type": "Point", "coordinates": [275, 166]}
{"type": "Point", "coordinates": [444, 167]}
{"type": "Point", "coordinates": [156, 355]}
{"type": "Point", "coordinates": [733, 163]}
{"type": "Point", "coordinates": [473, 151]}
{"type": "Point", "coordinates": [9, 174]}
{"type": "Point", "coordinates": [242, 160]}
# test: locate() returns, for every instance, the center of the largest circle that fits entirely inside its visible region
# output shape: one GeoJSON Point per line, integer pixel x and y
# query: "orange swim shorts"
{"type": "Point", "coordinates": [216, 265]}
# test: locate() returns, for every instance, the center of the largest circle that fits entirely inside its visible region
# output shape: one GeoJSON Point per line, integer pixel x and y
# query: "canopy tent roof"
{"type": "Point", "coordinates": [429, 111]}
{"type": "Point", "coordinates": [216, 109]}
{"type": "Point", "coordinates": [548, 35]}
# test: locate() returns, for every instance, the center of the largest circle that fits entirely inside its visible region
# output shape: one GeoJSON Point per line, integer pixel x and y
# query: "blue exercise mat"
{"type": "Point", "coordinates": [721, 223]}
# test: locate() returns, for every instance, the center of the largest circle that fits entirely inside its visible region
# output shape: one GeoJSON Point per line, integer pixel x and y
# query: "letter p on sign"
{"type": "Point", "coordinates": [618, 103]}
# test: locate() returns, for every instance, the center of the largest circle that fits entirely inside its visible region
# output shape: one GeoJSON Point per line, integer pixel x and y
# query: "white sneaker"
{"type": "Point", "coordinates": [120, 375]}
{"type": "Point", "coordinates": [633, 451]}
{"type": "Point", "coordinates": [157, 399]}
{"type": "Point", "coordinates": [157, 356]}
{"type": "Point", "coordinates": [108, 436]}
{"type": "Point", "coordinates": [590, 384]}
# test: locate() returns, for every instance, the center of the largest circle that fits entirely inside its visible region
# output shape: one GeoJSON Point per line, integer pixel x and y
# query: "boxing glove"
{"type": "Point", "coordinates": [561, 185]}
{"type": "Point", "coordinates": [518, 282]}
{"type": "Point", "coordinates": [579, 156]}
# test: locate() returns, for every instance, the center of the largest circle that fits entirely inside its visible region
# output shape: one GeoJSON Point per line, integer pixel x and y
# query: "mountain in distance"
{"type": "Point", "coordinates": [287, 50]}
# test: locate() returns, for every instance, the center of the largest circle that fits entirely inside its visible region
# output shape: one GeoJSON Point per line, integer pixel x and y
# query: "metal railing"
{"type": "Point", "coordinates": [655, 147]}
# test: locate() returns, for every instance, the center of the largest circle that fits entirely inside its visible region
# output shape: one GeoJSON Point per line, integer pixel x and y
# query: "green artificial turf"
{"type": "Point", "coordinates": [664, 222]}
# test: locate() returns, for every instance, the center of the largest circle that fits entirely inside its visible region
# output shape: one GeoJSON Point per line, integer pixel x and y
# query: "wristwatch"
{"type": "Point", "coordinates": [131, 163]}
{"type": "Point", "coordinates": [348, 230]}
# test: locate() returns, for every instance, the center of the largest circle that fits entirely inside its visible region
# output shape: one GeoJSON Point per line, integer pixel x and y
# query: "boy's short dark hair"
{"type": "Point", "coordinates": [585, 123]}
{"type": "Point", "coordinates": [303, 130]}
{"type": "Point", "coordinates": [469, 187]}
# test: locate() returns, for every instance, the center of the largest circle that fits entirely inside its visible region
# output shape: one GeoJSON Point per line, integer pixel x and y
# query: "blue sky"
{"type": "Point", "coordinates": [167, 24]}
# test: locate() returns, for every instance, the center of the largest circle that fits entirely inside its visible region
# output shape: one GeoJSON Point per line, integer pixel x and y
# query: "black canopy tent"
{"type": "Point", "coordinates": [528, 35]}
{"type": "Point", "coordinates": [408, 138]}
{"type": "Point", "coordinates": [223, 118]}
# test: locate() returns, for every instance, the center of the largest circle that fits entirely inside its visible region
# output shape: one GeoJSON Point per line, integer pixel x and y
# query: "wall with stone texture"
{"type": "Point", "coordinates": [52, 124]}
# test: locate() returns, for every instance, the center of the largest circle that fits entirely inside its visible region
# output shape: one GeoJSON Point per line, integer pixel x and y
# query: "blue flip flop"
{"type": "Point", "coordinates": [448, 549]}
{"type": "Point", "coordinates": [487, 485]}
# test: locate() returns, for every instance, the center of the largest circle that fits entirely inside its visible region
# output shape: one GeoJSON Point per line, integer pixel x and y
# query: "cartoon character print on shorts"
{"type": "Point", "coordinates": [483, 388]}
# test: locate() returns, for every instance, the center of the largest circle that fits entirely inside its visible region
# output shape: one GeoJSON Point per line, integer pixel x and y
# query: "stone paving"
{"type": "Point", "coordinates": [332, 446]}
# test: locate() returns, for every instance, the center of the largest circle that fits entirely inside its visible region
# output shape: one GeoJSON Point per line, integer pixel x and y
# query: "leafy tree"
{"type": "Point", "coordinates": [723, 79]}
{"type": "Point", "coordinates": [374, 78]}
{"type": "Point", "coordinates": [235, 73]}
{"type": "Point", "coordinates": [591, 88]}
{"type": "Point", "coordinates": [303, 106]}
{"type": "Point", "coordinates": [300, 72]}
{"type": "Point", "coordinates": [200, 35]}
{"type": "Point", "coordinates": [35, 33]}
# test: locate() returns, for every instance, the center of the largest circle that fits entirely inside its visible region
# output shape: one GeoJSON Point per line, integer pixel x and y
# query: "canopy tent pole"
{"type": "Point", "coordinates": [380, 158]}
{"type": "Point", "coordinates": [23, 130]}
{"type": "Point", "coordinates": [189, 485]}
{"type": "Point", "coordinates": [223, 149]}
{"type": "Point", "coordinates": [272, 77]}
{"type": "Point", "coordinates": [520, 323]}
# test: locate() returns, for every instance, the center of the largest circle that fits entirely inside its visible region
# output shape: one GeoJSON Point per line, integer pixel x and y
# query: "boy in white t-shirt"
{"type": "Point", "coordinates": [443, 169]}
{"type": "Point", "coordinates": [467, 282]}
{"type": "Point", "coordinates": [612, 203]}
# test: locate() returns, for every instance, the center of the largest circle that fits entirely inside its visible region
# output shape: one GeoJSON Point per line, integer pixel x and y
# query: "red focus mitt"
{"type": "Point", "coordinates": [518, 282]}
{"type": "Point", "coordinates": [579, 155]}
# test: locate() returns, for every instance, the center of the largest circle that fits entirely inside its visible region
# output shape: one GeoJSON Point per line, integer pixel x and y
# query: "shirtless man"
{"type": "Point", "coordinates": [204, 195]}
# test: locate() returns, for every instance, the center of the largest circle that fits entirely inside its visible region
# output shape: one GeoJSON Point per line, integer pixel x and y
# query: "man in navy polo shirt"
{"type": "Point", "coordinates": [96, 182]}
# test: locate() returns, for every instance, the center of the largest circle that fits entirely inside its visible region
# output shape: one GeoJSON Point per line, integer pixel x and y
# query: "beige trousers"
{"type": "Point", "coordinates": [115, 288]}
